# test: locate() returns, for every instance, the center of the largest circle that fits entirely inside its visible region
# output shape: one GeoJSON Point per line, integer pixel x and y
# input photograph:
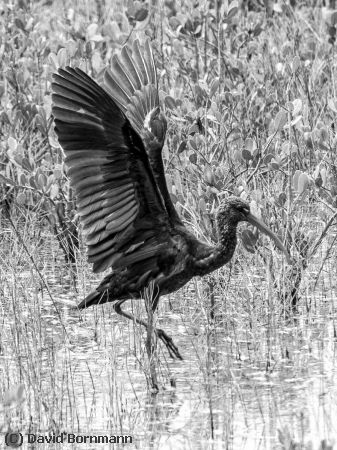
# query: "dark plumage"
{"type": "Point", "coordinates": [112, 136]}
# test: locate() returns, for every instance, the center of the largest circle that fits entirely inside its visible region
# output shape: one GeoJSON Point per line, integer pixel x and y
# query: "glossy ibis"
{"type": "Point", "coordinates": [112, 134]}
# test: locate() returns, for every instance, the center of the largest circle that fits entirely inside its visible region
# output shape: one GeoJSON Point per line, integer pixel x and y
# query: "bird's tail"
{"type": "Point", "coordinates": [94, 298]}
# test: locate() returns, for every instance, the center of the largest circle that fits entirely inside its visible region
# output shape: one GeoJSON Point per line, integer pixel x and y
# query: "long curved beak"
{"type": "Point", "coordinates": [264, 229]}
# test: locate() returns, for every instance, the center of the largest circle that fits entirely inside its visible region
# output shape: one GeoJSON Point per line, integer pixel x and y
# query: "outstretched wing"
{"type": "Point", "coordinates": [131, 80]}
{"type": "Point", "coordinates": [122, 212]}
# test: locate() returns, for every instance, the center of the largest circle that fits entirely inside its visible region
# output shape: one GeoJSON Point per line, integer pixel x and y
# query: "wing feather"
{"type": "Point", "coordinates": [133, 72]}
{"type": "Point", "coordinates": [131, 69]}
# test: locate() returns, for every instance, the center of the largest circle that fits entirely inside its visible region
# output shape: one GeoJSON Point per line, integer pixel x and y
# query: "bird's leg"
{"type": "Point", "coordinates": [150, 343]}
{"type": "Point", "coordinates": [117, 307]}
{"type": "Point", "coordinates": [165, 338]}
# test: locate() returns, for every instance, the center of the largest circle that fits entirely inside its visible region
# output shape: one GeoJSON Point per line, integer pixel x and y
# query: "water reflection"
{"type": "Point", "coordinates": [245, 383]}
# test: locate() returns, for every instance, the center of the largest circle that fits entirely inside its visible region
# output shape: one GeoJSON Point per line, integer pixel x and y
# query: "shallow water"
{"type": "Point", "coordinates": [246, 406]}
{"type": "Point", "coordinates": [248, 380]}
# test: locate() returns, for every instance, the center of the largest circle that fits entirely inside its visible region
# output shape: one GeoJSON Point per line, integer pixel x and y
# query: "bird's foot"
{"type": "Point", "coordinates": [168, 341]}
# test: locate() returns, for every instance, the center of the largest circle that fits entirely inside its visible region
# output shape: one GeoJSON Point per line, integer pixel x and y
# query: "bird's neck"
{"type": "Point", "coordinates": [220, 254]}
{"type": "Point", "coordinates": [225, 248]}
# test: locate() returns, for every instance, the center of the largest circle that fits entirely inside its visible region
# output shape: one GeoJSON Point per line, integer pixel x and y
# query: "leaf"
{"type": "Point", "coordinates": [178, 46]}
{"type": "Point", "coordinates": [308, 139]}
{"type": "Point", "coordinates": [193, 144]}
{"type": "Point", "coordinates": [91, 30]}
{"type": "Point", "coordinates": [19, 24]}
{"type": "Point", "coordinates": [32, 182]}
{"type": "Point", "coordinates": [268, 158]}
{"type": "Point", "coordinates": [96, 61]}
{"type": "Point", "coordinates": [193, 158]}
{"type": "Point", "coordinates": [246, 294]}
{"type": "Point", "coordinates": [12, 144]}
{"type": "Point", "coordinates": [97, 38]}
{"type": "Point", "coordinates": [165, 152]}
{"type": "Point", "coordinates": [202, 205]}
{"type": "Point", "coordinates": [113, 31]}
{"type": "Point", "coordinates": [209, 176]}
{"type": "Point", "coordinates": [295, 65]}
{"type": "Point", "coordinates": [62, 57]}
{"type": "Point", "coordinates": [324, 176]}
{"type": "Point", "coordinates": [279, 67]}
{"type": "Point", "coordinates": [52, 59]}
{"type": "Point", "coordinates": [237, 155]}
{"type": "Point", "coordinates": [23, 179]}
{"type": "Point", "coordinates": [319, 181]}
{"type": "Point", "coordinates": [42, 180]}
{"type": "Point", "coordinates": [170, 102]}
{"type": "Point", "coordinates": [282, 198]}
{"type": "Point", "coordinates": [227, 97]}
{"type": "Point", "coordinates": [323, 134]}
{"type": "Point", "coordinates": [257, 30]}
{"type": "Point", "coordinates": [54, 191]}
{"type": "Point", "coordinates": [26, 164]}
{"type": "Point", "coordinates": [182, 146]}
{"type": "Point", "coordinates": [274, 165]}
{"type": "Point", "coordinates": [57, 174]}
{"type": "Point", "coordinates": [334, 18]}
{"type": "Point", "coordinates": [21, 198]}
{"type": "Point", "coordinates": [232, 9]}
{"type": "Point", "coordinates": [280, 120]}
{"type": "Point", "coordinates": [249, 144]}
{"type": "Point", "coordinates": [296, 120]}
{"type": "Point", "coordinates": [214, 87]}
{"type": "Point", "coordinates": [88, 49]}
{"type": "Point", "coordinates": [246, 155]}
{"type": "Point", "coordinates": [285, 149]}
{"type": "Point", "coordinates": [277, 8]}
{"type": "Point", "coordinates": [212, 119]}
{"type": "Point", "coordinates": [141, 14]}
{"type": "Point", "coordinates": [295, 179]}
{"type": "Point", "coordinates": [297, 106]}
{"type": "Point", "coordinates": [303, 182]}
